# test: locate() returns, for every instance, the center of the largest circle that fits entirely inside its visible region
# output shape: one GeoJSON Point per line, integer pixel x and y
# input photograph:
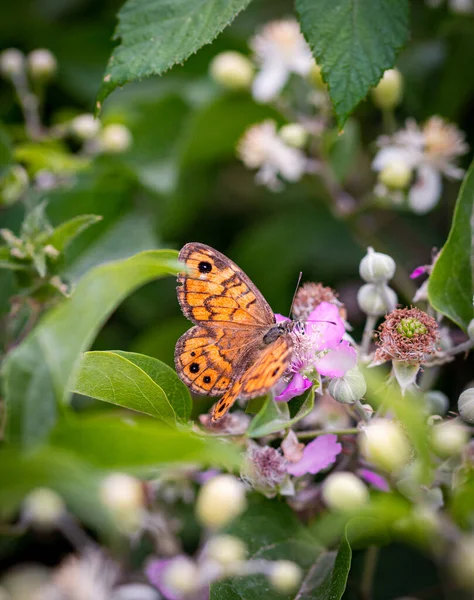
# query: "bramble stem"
{"type": "Point", "coordinates": [368, 573]}
{"type": "Point", "coordinates": [304, 435]}
{"type": "Point", "coordinates": [29, 104]}
{"type": "Point", "coordinates": [368, 334]}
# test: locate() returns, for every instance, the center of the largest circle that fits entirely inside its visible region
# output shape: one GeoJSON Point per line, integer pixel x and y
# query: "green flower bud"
{"type": "Point", "coordinates": [124, 496]}
{"type": "Point", "coordinates": [115, 138]}
{"type": "Point", "coordinates": [410, 327]}
{"type": "Point", "coordinates": [372, 301]}
{"type": "Point", "coordinates": [387, 94]}
{"type": "Point", "coordinates": [181, 576]}
{"type": "Point", "coordinates": [232, 70]}
{"type": "Point", "coordinates": [85, 127]}
{"type": "Point", "coordinates": [466, 405]}
{"type": "Point", "coordinates": [294, 135]}
{"type": "Point", "coordinates": [449, 438]}
{"type": "Point", "coordinates": [344, 491]}
{"type": "Point", "coordinates": [349, 388]}
{"type": "Point", "coordinates": [437, 402]}
{"type": "Point", "coordinates": [285, 576]}
{"type": "Point", "coordinates": [470, 329]}
{"type": "Point", "coordinates": [220, 500]}
{"type": "Point", "coordinates": [396, 175]}
{"type": "Point", "coordinates": [13, 185]}
{"type": "Point", "coordinates": [226, 550]}
{"type": "Point", "coordinates": [42, 64]}
{"type": "Point", "coordinates": [12, 62]}
{"type": "Point", "coordinates": [376, 267]}
{"type": "Point", "coordinates": [384, 444]}
{"type": "Point", "coordinates": [43, 508]}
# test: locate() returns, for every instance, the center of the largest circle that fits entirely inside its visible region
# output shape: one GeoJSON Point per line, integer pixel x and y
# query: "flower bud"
{"type": "Point", "coordinates": [437, 402]}
{"type": "Point", "coordinates": [285, 576]}
{"type": "Point", "coordinates": [344, 491]}
{"type": "Point", "coordinates": [463, 562]}
{"type": "Point", "coordinates": [226, 550]}
{"type": "Point", "coordinates": [385, 445]}
{"type": "Point", "coordinates": [371, 299]}
{"type": "Point", "coordinates": [376, 267]}
{"type": "Point", "coordinates": [220, 500]}
{"type": "Point", "coordinates": [181, 576]}
{"type": "Point", "coordinates": [12, 62]}
{"type": "Point", "coordinates": [42, 64]}
{"type": "Point", "coordinates": [349, 388]}
{"type": "Point", "coordinates": [396, 175]}
{"type": "Point", "coordinates": [449, 438]}
{"type": "Point", "coordinates": [123, 495]}
{"type": "Point", "coordinates": [470, 329]}
{"type": "Point", "coordinates": [232, 70]}
{"type": "Point", "coordinates": [294, 135]}
{"type": "Point", "coordinates": [13, 185]}
{"type": "Point", "coordinates": [387, 94]}
{"type": "Point", "coordinates": [85, 127]}
{"type": "Point", "coordinates": [43, 508]}
{"type": "Point", "coordinates": [115, 138]}
{"type": "Point", "coordinates": [466, 405]}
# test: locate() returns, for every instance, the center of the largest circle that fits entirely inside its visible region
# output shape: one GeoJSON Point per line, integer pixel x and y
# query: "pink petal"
{"type": "Point", "coordinates": [296, 387]}
{"type": "Point", "coordinates": [155, 571]}
{"type": "Point", "coordinates": [317, 455]}
{"type": "Point", "coordinates": [325, 322]}
{"type": "Point", "coordinates": [337, 361]}
{"type": "Point", "coordinates": [375, 480]}
{"type": "Point", "coordinates": [280, 318]}
{"type": "Point", "coordinates": [417, 272]}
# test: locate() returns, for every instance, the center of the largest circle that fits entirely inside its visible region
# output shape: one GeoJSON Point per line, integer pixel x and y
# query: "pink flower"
{"type": "Point", "coordinates": [319, 350]}
{"type": "Point", "coordinates": [317, 455]}
{"type": "Point", "coordinates": [155, 571]}
{"type": "Point", "coordinates": [418, 272]}
{"type": "Point", "coordinates": [375, 480]}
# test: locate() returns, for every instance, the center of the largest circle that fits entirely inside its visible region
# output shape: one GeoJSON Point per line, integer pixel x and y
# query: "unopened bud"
{"type": "Point", "coordinates": [43, 508]}
{"type": "Point", "coordinates": [463, 561]}
{"type": "Point", "coordinates": [13, 185]}
{"type": "Point", "coordinates": [385, 445]}
{"type": "Point", "coordinates": [123, 495]}
{"type": "Point", "coordinates": [285, 576]}
{"type": "Point", "coordinates": [396, 174]}
{"type": "Point", "coordinates": [180, 576]}
{"type": "Point", "coordinates": [226, 550]}
{"type": "Point", "coordinates": [51, 251]}
{"type": "Point", "coordinates": [349, 388]}
{"type": "Point", "coordinates": [42, 64]}
{"type": "Point", "coordinates": [373, 299]}
{"type": "Point", "coordinates": [387, 94]}
{"type": "Point", "coordinates": [470, 329]}
{"type": "Point", "coordinates": [220, 500]}
{"type": "Point", "coordinates": [437, 402]}
{"type": "Point", "coordinates": [232, 70]}
{"type": "Point", "coordinates": [294, 135]}
{"type": "Point", "coordinates": [344, 491]}
{"type": "Point", "coordinates": [12, 62]}
{"type": "Point", "coordinates": [449, 438]}
{"type": "Point", "coordinates": [376, 267]}
{"type": "Point", "coordinates": [85, 126]}
{"type": "Point", "coordinates": [466, 405]}
{"type": "Point", "coordinates": [115, 138]}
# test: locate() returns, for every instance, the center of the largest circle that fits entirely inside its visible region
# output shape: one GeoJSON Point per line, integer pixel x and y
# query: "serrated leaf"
{"type": "Point", "coordinates": [354, 42]}
{"type": "Point", "coordinates": [134, 381]}
{"type": "Point", "coordinates": [39, 373]}
{"type": "Point", "coordinates": [157, 34]}
{"type": "Point", "coordinates": [138, 443]}
{"type": "Point", "coordinates": [450, 286]}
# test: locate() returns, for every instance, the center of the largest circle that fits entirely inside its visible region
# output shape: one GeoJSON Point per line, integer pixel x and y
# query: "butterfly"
{"type": "Point", "coordinates": [236, 348]}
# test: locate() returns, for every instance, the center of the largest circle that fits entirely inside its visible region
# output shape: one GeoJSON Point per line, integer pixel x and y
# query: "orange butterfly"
{"type": "Point", "coordinates": [236, 348]}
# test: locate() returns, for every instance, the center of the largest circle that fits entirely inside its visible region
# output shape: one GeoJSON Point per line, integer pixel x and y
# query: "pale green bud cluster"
{"type": "Point", "coordinates": [232, 70]}
{"type": "Point", "coordinates": [385, 445]}
{"type": "Point", "coordinates": [42, 64]}
{"type": "Point", "coordinates": [220, 500]}
{"type": "Point", "coordinates": [43, 508]}
{"type": "Point", "coordinates": [466, 405]}
{"type": "Point", "coordinates": [376, 298]}
{"type": "Point", "coordinates": [388, 93]}
{"type": "Point", "coordinates": [344, 491]}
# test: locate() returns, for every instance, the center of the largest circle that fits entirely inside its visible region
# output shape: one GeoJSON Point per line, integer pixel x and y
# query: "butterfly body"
{"type": "Point", "coordinates": [236, 348]}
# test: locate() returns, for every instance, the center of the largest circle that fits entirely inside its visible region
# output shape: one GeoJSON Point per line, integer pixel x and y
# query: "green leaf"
{"type": "Point", "coordinates": [450, 286]}
{"type": "Point", "coordinates": [275, 416]}
{"type": "Point", "coordinates": [39, 374]}
{"type": "Point", "coordinates": [354, 42]}
{"type": "Point", "coordinates": [134, 381]}
{"type": "Point", "coordinates": [65, 233]}
{"type": "Point", "coordinates": [157, 34]}
{"type": "Point", "coordinates": [7, 261]}
{"type": "Point", "coordinates": [139, 443]}
{"type": "Point", "coordinates": [73, 480]}
{"type": "Point", "coordinates": [272, 532]}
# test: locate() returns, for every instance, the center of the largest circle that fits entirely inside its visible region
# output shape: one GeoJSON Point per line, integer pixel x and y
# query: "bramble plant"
{"type": "Point", "coordinates": [332, 138]}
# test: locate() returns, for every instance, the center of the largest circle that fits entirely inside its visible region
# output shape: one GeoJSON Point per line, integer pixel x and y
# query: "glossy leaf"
{"type": "Point", "coordinates": [39, 374]}
{"type": "Point", "coordinates": [136, 444]}
{"type": "Point", "coordinates": [157, 34]}
{"type": "Point", "coordinates": [354, 42]}
{"type": "Point", "coordinates": [450, 286]}
{"type": "Point", "coordinates": [134, 381]}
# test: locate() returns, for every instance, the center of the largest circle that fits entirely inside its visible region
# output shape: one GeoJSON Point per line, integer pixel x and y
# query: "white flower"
{"type": "Point", "coordinates": [456, 6]}
{"type": "Point", "coordinates": [261, 148]}
{"type": "Point", "coordinates": [429, 152]}
{"type": "Point", "coordinates": [280, 49]}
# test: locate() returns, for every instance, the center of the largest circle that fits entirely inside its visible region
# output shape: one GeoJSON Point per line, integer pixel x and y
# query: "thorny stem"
{"type": "Point", "coordinates": [368, 334]}
{"type": "Point", "coordinates": [304, 435]}
{"type": "Point", "coordinates": [30, 105]}
{"type": "Point", "coordinates": [368, 573]}
{"type": "Point", "coordinates": [445, 356]}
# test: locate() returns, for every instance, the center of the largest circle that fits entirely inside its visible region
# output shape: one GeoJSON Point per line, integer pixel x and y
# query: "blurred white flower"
{"type": "Point", "coordinates": [280, 49]}
{"type": "Point", "coordinates": [428, 152]}
{"type": "Point", "coordinates": [262, 148]}
{"type": "Point", "coordinates": [457, 6]}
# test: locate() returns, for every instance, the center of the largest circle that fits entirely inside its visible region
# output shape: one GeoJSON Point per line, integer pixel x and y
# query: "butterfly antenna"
{"type": "Point", "coordinates": [296, 291]}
